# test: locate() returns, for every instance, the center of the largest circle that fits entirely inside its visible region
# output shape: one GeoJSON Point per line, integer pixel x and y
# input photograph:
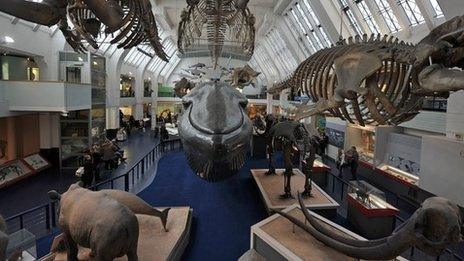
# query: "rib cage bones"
{"type": "Point", "coordinates": [389, 100]}
{"type": "Point", "coordinates": [137, 27]}
{"type": "Point", "coordinates": [222, 22]}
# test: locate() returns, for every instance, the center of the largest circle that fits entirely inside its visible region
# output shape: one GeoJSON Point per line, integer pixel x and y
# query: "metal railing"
{"type": "Point", "coordinates": [42, 219]}
{"type": "Point", "coordinates": [337, 186]}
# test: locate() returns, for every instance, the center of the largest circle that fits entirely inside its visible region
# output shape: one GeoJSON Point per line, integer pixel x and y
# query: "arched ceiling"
{"type": "Point", "coordinates": [172, 9]}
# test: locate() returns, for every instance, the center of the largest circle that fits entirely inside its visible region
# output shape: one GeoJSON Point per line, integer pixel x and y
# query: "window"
{"type": "Point", "coordinates": [281, 51]}
{"type": "Point", "coordinates": [156, 63]}
{"type": "Point", "coordinates": [265, 60]}
{"type": "Point", "coordinates": [295, 20]}
{"type": "Point", "coordinates": [368, 17]}
{"type": "Point", "coordinates": [306, 27]}
{"type": "Point", "coordinates": [387, 13]}
{"type": "Point", "coordinates": [316, 23]}
{"type": "Point", "coordinates": [351, 19]}
{"type": "Point", "coordinates": [295, 35]}
{"type": "Point", "coordinates": [412, 12]}
{"type": "Point", "coordinates": [436, 8]}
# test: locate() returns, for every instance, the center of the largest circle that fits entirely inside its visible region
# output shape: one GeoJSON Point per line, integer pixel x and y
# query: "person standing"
{"type": "Point", "coordinates": [340, 161]}
{"type": "Point", "coordinates": [97, 160]}
{"type": "Point", "coordinates": [87, 176]}
{"type": "Point", "coordinates": [351, 160]}
{"type": "Point", "coordinates": [354, 163]}
{"type": "Point", "coordinates": [109, 154]}
{"type": "Point", "coordinates": [324, 143]}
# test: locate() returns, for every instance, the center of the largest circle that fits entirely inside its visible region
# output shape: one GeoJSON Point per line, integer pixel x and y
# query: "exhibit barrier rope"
{"type": "Point", "coordinates": [41, 220]}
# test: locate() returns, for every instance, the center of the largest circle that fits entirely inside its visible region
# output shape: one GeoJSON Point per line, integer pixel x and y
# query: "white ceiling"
{"type": "Point", "coordinates": [171, 11]}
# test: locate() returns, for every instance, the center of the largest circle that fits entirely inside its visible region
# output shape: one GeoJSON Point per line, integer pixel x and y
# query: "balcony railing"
{"type": "Point", "coordinates": [42, 219]}
{"type": "Point", "coordinates": [46, 96]}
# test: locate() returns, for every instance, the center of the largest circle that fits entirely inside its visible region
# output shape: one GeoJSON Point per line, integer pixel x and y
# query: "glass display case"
{"type": "Point", "coordinates": [368, 195]}
{"type": "Point", "coordinates": [366, 152]}
{"type": "Point", "coordinates": [400, 174]}
{"type": "Point", "coordinates": [127, 86]}
{"type": "Point", "coordinates": [363, 138]}
{"type": "Point", "coordinates": [23, 241]}
{"type": "Point", "coordinates": [74, 137]}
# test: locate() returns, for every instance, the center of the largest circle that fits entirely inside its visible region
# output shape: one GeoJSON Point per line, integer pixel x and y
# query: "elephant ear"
{"type": "Point", "coordinates": [53, 195]}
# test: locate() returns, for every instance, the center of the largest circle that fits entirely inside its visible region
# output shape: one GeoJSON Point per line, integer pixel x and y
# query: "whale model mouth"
{"type": "Point", "coordinates": [215, 131]}
{"type": "Point", "coordinates": [216, 156]}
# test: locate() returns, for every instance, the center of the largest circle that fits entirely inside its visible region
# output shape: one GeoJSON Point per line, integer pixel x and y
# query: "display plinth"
{"type": "Point", "coordinates": [271, 187]}
{"type": "Point", "coordinates": [154, 242]}
{"type": "Point", "coordinates": [372, 223]}
{"type": "Point", "coordinates": [320, 172]}
{"type": "Point", "coordinates": [276, 238]}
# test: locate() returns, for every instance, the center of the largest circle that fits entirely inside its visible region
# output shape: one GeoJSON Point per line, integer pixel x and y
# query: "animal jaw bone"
{"type": "Point", "coordinates": [379, 80]}
{"type": "Point", "coordinates": [132, 21]}
{"type": "Point", "coordinates": [220, 21]}
{"type": "Point", "coordinates": [433, 227]}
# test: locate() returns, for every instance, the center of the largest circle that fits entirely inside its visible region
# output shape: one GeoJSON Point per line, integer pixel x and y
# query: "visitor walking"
{"type": "Point", "coordinates": [351, 160]}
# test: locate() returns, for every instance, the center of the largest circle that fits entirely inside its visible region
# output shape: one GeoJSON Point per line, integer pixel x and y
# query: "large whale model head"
{"type": "Point", "coordinates": [215, 130]}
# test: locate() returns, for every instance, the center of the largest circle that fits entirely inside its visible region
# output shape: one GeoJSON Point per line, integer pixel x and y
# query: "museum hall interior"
{"type": "Point", "coordinates": [250, 130]}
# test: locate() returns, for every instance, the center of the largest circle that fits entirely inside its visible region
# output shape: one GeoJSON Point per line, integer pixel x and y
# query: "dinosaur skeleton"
{"type": "Point", "coordinates": [126, 23]}
{"type": "Point", "coordinates": [293, 134]}
{"type": "Point", "coordinates": [221, 21]}
{"type": "Point", "coordinates": [379, 80]}
{"type": "Point", "coordinates": [436, 225]}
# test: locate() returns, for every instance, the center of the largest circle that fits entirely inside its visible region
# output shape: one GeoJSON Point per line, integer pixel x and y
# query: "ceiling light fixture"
{"type": "Point", "coordinates": [7, 40]}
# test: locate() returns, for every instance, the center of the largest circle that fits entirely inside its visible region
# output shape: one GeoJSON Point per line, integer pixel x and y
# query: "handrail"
{"type": "Point", "coordinates": [133, 174]}
{"type": "Point", "coordinates": [152, 156]}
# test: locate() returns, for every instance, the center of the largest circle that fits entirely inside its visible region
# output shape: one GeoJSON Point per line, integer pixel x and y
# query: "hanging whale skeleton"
{"type": "Point", "coordinates": [131, 22]}
{"type": "Point", "coordinates": [379, 80]}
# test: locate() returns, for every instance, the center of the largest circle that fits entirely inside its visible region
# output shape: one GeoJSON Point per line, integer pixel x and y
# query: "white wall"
{"type": "Point", "coordinates": [455, 116]}
{"type": "Point", "coordinates": [442, 167]}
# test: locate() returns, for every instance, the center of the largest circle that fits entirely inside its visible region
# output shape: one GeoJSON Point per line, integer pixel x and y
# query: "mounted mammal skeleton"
{"type": "Point", "coordinates": [380, 80]}
{"type": "Point", "coordinates": [131, 21]}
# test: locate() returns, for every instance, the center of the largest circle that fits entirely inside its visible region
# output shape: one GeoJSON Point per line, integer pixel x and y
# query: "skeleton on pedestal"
{"type": "Point", "coordinates": [294, 137]}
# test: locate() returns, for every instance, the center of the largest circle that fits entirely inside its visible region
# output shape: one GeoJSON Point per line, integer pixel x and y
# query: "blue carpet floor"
{"type": "Point", "coordinates": [223, 212]}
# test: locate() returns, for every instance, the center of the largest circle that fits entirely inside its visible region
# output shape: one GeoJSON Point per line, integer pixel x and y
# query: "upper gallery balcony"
{"type": "Point", "coordinates": [45, 96]}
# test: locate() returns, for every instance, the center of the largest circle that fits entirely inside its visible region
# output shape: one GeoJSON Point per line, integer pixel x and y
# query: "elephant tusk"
{"type": "Point", "coordinates": [394, 245]}
{"type": "Point", "coordinates": [345, 240]}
